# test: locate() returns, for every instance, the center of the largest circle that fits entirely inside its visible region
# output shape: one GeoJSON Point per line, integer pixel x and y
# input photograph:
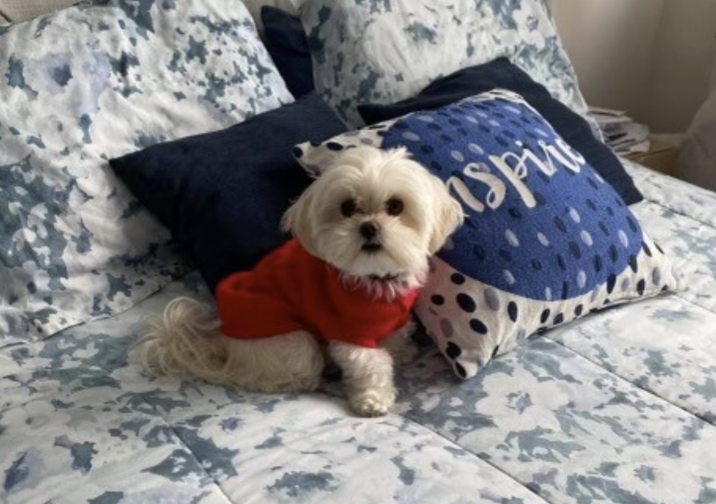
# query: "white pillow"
{"type": "Point", "coordinates": [87, 84]}
{"type": "Point", "coordinates": [22, 10]}
{"type": "Point", "coordinates": [383, 52]}
{"type": "Point", "coordinates": [254, 7]}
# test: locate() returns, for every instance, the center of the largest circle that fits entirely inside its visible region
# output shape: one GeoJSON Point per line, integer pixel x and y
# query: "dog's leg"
{"type": "Point", "coordinates": [290, 362]}
{"type": "Point", "coordinates": [367, 377]}
{"type": "Point", "coordinates": [186, 342]}
{"type": "Point", "coordinates": [400, 345]}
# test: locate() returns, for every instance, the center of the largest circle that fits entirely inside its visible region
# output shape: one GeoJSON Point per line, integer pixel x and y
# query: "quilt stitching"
{"type": "Point", "coordinates": [651, 393]}
{"type": "Point", "coordinates": [184, 445]}
{"type": "Point", "coordinates": [452, 442]}
{"type": "Point", "coordinates": [677, 212]}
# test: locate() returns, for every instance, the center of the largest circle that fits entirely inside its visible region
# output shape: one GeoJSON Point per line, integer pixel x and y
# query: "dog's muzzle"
{"type": "Point", "coordinates": [369, 231]}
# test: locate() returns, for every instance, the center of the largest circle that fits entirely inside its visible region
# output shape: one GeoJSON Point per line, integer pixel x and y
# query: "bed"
{"type": "Point", "coordinates": [616, 407]}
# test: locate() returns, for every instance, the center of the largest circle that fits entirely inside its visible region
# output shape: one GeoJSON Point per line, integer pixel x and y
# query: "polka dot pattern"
{"type": "Point", "coordinates": [478, 326]}
{"type": "Point", "coordinates": [466, 303]}
{"type": "Point", "coordinates": [492, 300]}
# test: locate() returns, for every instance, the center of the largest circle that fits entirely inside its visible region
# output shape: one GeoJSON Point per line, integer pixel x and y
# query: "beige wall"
{"type": "Point", "coordinates": [682, 63]}
{"type": "Point", "coordinates": [650, 57]}
{"type": "Point", "coordinates": [609, 43]}
{"type": "Point", "coordinates": [19, 10]}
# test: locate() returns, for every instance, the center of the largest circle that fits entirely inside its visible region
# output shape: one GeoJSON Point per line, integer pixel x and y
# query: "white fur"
{"type": "Point", "coordinates": [186, 341]}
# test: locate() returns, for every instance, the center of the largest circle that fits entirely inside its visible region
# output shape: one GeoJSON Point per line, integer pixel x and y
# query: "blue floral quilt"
{"type": "Point", "coordinates": [619, 407]}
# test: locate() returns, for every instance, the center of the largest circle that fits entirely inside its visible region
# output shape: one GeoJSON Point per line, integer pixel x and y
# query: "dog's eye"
{"type": "Point", "coordinates": [394, 206]}
{"type": "Point", "coordinates": [349, 208]}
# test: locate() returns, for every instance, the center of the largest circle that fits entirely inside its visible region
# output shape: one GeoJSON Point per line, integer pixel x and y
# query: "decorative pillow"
{"type": "Point", "coordinates": [223, 194]}
{"type": "Point", "coordinates": [385, 51]}
{"type": "Point", "coordinates": [286, 43]}
{"type": "Point", "coordinates": [255, 6]}
{"type": "Point", "coordinates": [86, 84]}
{"type": "Point", "coordinates": [546, 239]}
{"type": "Point", "coordinates": [501, 73]}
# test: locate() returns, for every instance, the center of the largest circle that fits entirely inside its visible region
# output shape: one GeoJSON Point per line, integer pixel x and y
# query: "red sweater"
{"type": "Point", "coordinates": [291, 290]}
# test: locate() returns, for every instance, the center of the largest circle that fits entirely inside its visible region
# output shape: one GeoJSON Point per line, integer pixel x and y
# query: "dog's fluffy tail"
{"type": "Point", "coordinates": [185, 341]}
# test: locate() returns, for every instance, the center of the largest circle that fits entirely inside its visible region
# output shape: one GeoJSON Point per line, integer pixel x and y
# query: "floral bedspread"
{"type": "Point", "coordinates": [619, 407]}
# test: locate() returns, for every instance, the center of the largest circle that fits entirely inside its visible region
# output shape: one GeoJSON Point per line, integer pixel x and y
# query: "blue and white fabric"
{"type": "Point", "coordinates": [546, 239]}
{"type": "Point", "coordinates": [382, 51]}
{"type": "Point", "coordinates": [255, 6]}
{"type": "Point", "coordinates": [87, 84]}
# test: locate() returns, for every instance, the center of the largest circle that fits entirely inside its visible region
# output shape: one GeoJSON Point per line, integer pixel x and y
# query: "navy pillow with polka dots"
{"type": "Point", "coordinates": [546, 240]}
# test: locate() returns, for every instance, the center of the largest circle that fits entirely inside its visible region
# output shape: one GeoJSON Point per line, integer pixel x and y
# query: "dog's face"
{"type": "Point", "coordinates": [375, 214]}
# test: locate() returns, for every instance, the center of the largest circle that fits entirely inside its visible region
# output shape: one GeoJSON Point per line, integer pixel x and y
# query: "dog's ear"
{"type": "Point", "coordinates": [297, 219]}
{"type": "Point", "coordinates": [449, 215]}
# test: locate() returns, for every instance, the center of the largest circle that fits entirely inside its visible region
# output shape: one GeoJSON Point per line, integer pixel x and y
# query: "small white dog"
{"type": "Point", "coordinates": [364, 231]}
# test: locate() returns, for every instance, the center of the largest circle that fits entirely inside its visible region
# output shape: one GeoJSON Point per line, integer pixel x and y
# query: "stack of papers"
{"type": "Point", "coordinates": [621, 132]}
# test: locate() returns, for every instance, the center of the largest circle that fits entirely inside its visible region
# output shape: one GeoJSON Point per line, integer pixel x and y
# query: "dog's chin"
{"type": "Point", "coordinates": [390, 264]}
{"type": "Point", "coordinates": [376, 270]}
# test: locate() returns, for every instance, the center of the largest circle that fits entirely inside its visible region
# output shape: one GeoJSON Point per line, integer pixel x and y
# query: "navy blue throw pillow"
{"type": "Point", "coordinates": [287, 44]}
{"type": "Point", "coordinates": [222, 194]}
{"type": "Point", "coordinates": [502, 74]}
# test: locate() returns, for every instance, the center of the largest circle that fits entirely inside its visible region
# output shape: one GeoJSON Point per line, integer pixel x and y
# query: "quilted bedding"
{"type": "Point", "coordinates": [617, 408]}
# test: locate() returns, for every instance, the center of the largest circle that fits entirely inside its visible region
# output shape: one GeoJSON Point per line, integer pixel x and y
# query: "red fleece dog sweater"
{"type": "Point", "coordinates": [291, 290]}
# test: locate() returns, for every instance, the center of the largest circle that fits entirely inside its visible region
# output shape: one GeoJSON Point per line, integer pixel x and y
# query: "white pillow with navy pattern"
{"type": "Point", "coordinates": [546, 240]}
{"type": "Point", "coordinates": [383, 51]}
{"type": "Point", "coordinates": [90, 83]}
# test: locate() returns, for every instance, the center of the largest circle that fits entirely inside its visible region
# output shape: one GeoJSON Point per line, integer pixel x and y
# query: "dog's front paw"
{"type": "Point", "coordinates": [372, 403]}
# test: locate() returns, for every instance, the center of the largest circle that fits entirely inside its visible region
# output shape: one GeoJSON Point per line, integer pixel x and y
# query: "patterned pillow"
{"type": "Point", "coordinates": [255, 7]}
{"type": "Point", "coordinates": [388, 50]}
{"type": "Point", "coordinates": [501, 73]}
{"type": "Point", "coordinates": [546, 239]}
{"type": "Point", "coordinates": [287, 45]}
{"type": "Point", "coordinates": [79, 87]}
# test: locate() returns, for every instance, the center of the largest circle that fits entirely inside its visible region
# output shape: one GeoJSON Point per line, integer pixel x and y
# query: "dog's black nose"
{"type": "Point", "coordinates": [369, 230]}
